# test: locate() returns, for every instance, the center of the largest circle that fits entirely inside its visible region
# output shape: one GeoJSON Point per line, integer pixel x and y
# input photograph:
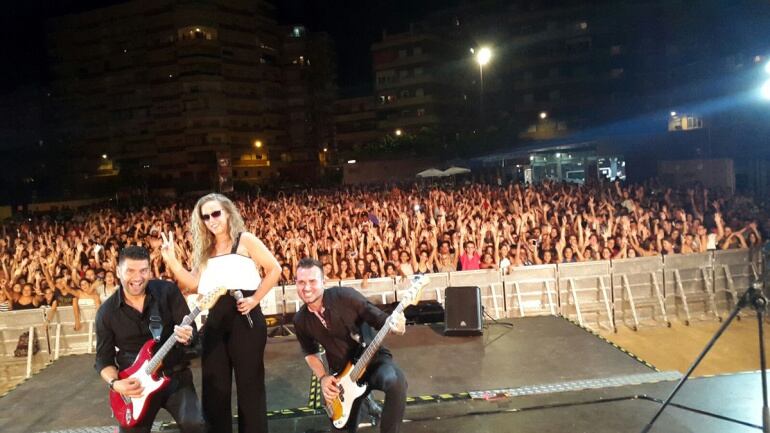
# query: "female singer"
{"type": "Point", "coordinates": [230, 342]}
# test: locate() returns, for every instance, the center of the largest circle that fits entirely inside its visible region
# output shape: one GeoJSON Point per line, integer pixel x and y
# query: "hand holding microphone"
{"type": "Point", "coordinates": [238, 295]}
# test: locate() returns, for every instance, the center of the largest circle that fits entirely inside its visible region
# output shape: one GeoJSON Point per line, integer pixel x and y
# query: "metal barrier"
{"type": "Point", "coordinates": [688, 285]}
{"type": "Point", "coordinates": [290, 299]}
{"type": "Point", "coordinates": [734, 271]}
{"type": "Point", "coordinates": [379, 291]}
{"type": "Point", "coordinates": [269, 303]}
{"type": "Point", "coordinates": [628, 291]}
{"type": "Point", "coordinates": [433, 291]}
{"type": "Point", "coordinates": [68, 341]}
{"type": "Point", "coordinates": [585, 290]}
{"type": "Point", "coordinates": [15, 324]}
{"type": "Point", "coordinates": [531, 291]}
{"type": "Point", "coordinates": [637, 288]}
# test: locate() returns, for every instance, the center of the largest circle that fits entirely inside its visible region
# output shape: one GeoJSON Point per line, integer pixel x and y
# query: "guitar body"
{"type": "Point", "coordinates": [350, 381]}
{"type": "Point", "coordinates": [347, 403]}
{"type": "Point", "coordinates": [130, 411]}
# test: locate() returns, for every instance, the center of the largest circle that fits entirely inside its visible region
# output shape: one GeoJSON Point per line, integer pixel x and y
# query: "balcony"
{"type": "Point", "coordinates": [407, 102]}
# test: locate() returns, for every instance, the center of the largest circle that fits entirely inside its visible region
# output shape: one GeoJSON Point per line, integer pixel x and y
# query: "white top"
{"type": "Point", "coordinates": [235, 272]}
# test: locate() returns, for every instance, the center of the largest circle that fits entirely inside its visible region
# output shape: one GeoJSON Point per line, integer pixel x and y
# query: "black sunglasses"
{"type": "Point", "coordinates": [215, 214]}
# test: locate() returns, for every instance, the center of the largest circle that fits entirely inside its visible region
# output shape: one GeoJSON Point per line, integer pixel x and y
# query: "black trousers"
{"type": "Point", "coordinates": [180, 400]}
{"type": "Point", "coordinates": [229, 344]}
{"type": "Point", "coordinates": [383, 374]}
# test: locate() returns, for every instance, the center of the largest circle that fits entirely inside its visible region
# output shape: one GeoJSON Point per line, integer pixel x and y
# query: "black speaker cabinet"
{"type": "Point", "coordinates": [462, 311]}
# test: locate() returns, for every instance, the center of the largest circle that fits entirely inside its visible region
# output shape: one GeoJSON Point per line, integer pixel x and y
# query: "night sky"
{"type": "Point", "coordinates": [353, 24]}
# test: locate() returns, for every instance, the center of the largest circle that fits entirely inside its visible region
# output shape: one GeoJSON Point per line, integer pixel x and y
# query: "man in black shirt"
{"type": "Point", "coordinates": [337, 318]}
{"type": "Point", "coordinates": [124, 321]}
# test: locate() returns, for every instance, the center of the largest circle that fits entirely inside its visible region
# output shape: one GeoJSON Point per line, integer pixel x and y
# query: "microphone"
{"type": "Point", "coordinates": [238, 295]}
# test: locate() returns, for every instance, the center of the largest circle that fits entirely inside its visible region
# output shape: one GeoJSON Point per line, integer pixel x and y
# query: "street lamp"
{"type": "Point", "coordinates": [483, 55]}
{"type": "Point", "coordinates": [258, 144]}
{"type": "Point", "coordinates": [399, 132]}
{"type": "Point", "coordinates": [543, 115]}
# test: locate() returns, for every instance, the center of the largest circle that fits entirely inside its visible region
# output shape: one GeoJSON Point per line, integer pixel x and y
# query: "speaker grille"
{"type": "Point", "coordinates": [462, 314]}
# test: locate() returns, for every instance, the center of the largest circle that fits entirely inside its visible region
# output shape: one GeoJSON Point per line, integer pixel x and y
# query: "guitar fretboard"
{"type": "Point", "coordinates": [153, 364]}
{"type": "Point", "coordinates": [368, 354]}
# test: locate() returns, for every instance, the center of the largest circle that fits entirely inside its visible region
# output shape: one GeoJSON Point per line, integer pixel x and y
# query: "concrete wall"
{"type": "Point", "coordinates": [386, 170]}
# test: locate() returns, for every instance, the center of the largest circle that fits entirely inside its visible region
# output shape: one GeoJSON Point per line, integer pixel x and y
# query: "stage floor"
{"type": "Point", "coordinates": [69, 396]}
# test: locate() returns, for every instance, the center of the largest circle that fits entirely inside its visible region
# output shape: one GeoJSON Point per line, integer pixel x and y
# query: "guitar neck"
{"type": "Point", "coordinates": [169, 343]}
{"type": "Point", "coordinates": [374, 346]}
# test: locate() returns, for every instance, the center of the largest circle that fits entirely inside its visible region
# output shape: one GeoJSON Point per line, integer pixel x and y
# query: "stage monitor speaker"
{"type": "Point", "coordinates": [462, 311]}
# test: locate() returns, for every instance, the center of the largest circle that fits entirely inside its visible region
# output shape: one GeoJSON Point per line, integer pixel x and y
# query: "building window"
{"type": "Point", "coordinates": [297, 32]}
{"type": "Point", "coordinates": [420, 112]}
{"type": "Point", "coordinates": [197, 32]}
{"type": "Point", "coordinates": [385, 77]}
{"type": "Point", "coordinates": [416, 51]}
{"type": "Point", "coordinates": [405, 94]}
{"type": "Point", "coordinates": [419, 92]}
{"type": "Point", "coordinates": [401, 54]}
{"type": "Point", "coordinates": [403, 73]}
{"type": "Point", "coordinates": [418, 71]}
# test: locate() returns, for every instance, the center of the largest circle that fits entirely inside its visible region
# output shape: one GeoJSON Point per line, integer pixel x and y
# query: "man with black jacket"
{"type": "Point", "coordinates": [128, 319]}
{"type": "Point", "coordinates": [337, 318]}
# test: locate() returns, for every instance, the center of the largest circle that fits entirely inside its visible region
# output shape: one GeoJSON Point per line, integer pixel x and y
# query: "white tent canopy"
{"type": "Point", "coordinates": [456, 170]}
{"type": "Point", "coordinates": [431, 172]}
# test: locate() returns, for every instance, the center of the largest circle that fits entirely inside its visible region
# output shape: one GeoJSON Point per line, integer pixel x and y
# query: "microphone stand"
{"type": "Point", "coordinates": [754, 298]}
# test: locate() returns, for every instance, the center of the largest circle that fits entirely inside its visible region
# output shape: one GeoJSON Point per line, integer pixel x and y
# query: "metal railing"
{"type": "Point", "coordinates": [601, 294]}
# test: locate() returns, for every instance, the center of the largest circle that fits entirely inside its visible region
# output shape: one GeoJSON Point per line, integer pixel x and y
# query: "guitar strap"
{"type": "Point", "coordinates": [156, 324]}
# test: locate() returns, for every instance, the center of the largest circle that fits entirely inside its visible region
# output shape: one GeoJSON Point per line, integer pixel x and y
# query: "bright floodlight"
{"type": "Point", "coordinates": [766, 90]}
{"type": "Point", "coordinates": [399, 132]}
{"type": "Point", "coordinates": [673, 113]}
{"type": "Point", "coordinates": [483, 56]}
{"type": "Point", "coordinates": [543, 114]}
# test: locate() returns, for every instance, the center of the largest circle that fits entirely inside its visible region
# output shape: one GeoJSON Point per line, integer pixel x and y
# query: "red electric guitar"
{"type": "Point", "coordinates": [129, 411]}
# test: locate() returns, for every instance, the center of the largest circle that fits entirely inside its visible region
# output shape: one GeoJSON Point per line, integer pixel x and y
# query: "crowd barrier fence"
{"type": "Point", "coordinates": [603, 294]}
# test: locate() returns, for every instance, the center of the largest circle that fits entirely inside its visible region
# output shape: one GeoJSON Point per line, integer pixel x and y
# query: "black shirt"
{"type": "Point", "coordinates": [345, 311]}
{"type": "Point", "coordinates": [118, 325]}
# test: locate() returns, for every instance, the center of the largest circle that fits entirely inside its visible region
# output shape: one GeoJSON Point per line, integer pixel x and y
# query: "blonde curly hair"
{"type": "Point", "coordinates": [203, 239]}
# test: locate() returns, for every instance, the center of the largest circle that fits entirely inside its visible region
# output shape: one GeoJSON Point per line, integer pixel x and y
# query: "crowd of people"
{"type": "Point", "coordinates": [389, 230]}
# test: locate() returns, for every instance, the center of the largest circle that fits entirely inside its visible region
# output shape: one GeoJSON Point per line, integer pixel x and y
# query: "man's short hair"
{"type": "Point", "coordinates": [309, 263]}
{"type": "Point", "coordinates": [133, 252]}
